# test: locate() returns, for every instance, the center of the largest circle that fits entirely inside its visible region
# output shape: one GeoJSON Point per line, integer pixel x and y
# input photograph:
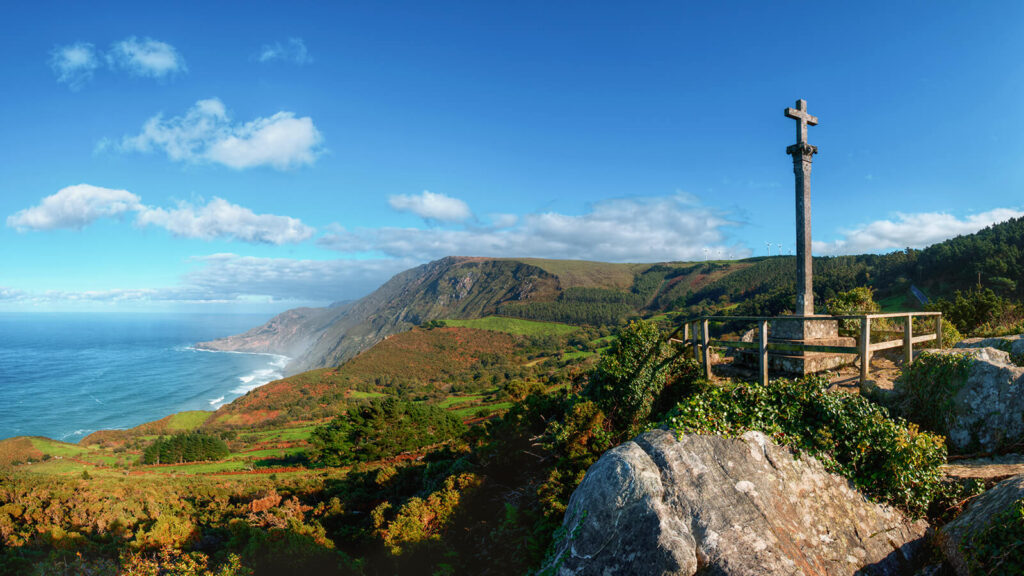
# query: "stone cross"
{"type": "Point", "coordinates": [802, 153]}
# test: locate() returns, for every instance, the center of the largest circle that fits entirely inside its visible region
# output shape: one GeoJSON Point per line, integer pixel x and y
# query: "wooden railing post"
{"type": "Point", "coordinates": [865, 351]}
{"type": "Point", "coordinates": [696, 345]}
{"type": "Point", "coordinates": [908, 340]}
{"type": "Point", "coordinates": [762, 349]}
{"type": "Point", "coordinates": [938, 331]}
{"type": "Point", "coordinates": [705, 348]}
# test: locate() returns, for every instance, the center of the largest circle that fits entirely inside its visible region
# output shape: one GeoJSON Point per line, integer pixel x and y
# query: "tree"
{"type": "Point", "coordinates": [628, 379]}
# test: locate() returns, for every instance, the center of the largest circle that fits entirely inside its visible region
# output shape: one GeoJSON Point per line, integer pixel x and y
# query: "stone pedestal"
{"type": "Point", "coordinates": [817, 332]}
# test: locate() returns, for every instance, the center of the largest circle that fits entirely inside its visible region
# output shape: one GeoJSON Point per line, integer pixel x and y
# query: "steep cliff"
{"type": "Point", "coordinates": [453, 287]}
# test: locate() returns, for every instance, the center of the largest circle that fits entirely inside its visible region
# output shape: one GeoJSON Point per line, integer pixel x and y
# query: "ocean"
{"type": "Point", "coordinates": [66, 375]}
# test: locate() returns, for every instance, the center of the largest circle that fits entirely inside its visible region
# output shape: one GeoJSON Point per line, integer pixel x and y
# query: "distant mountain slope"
{"type": "Point", "coordinates": [601, 293]}
{"type": "Point", "coordinates": [290, 333]}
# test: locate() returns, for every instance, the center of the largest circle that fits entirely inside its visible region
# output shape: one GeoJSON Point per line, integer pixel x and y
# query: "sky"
{"type": "Point", "coordinates": [256, 156]}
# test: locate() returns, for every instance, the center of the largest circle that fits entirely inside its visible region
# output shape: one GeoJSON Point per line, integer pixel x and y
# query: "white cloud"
{"type": "Point", "coordinates": [77, 206]}
{"type": "Point", "coordinates": [206, 134]}
{"type": "Point", "coordinates": [221, 219]}
{"type": "Point", "coordinates": [623, 230]}
{"type": "Point", "coordinates": [74, 207]}
{"type": "Point", "coordinates": [911, 231]}
{"type": "Point", "coordinates": [11, 294]}
{"type": "Point", "coordinates": [74, 64]}
{"type": "Point", "coordinates": [230, 276]}
{"type": "Point", "coordinates": [432, 206]}
{"type": "Point", "coordinates": [146, 57]}
{"type": "Point", "coordinates": [292, 51]}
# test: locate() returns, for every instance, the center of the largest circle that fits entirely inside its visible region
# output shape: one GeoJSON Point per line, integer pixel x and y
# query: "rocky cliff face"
{"type": "Point", "coordinates": [713, 505]}
{"type": "Point", "coordinates": [453, 287]}
{"type": "Point", "coordinates": [290, 333]}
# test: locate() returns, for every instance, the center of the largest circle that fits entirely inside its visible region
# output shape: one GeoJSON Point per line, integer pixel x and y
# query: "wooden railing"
{"type": "Point", "coordinates": [695, 333]}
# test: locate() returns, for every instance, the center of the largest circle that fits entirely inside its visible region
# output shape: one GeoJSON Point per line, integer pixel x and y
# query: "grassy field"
{"type": "Point", "coordinates": [454, 400]}
{"type": "Point", "coordinates": [514, 326]}
{"type": "Point", "coordinates": [187, 421]}
{"type": "Point", "coordinates": [199, 468]}
{"type": "Point", "coordinates": [55, 448]}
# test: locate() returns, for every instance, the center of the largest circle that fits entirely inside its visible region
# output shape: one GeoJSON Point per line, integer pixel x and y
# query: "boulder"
{"type": "Point", "coordinates": [726, 506]}
{"type": "Point", "coordinates": [1013, 345]}
{"type": "Point", "coordinates": [975, 519]}
{"type": "Point", "coordinates": [986, 411]}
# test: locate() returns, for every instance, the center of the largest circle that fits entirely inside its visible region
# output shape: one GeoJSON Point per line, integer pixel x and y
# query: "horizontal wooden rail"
{"type": "Point", "coordinates": [695, 333]}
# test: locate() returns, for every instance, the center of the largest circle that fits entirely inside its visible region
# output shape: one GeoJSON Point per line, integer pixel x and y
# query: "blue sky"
{"type": "Point", "coordinates": [257, 156]}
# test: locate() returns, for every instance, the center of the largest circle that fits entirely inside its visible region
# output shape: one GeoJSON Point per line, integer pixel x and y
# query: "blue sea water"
{"type": "Point", "coordinates": [66, 375]}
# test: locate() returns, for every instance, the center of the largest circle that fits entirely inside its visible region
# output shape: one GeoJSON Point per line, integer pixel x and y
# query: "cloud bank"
{"type": "Point", "coordinates": [206, 134]}
{"type": "Point", "coordinates": [621, 230]}
{"type": "Point", "coordinates": [911, 231]}
{"type": "Point", "coordinates": [222, 219]}
{"type": "Point", "coordinates": [77, 206]}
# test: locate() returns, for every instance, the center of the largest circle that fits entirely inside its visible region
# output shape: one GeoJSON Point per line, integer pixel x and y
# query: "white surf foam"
{"type": "Point", "coordinates": [216, 401]}
{"type": "Point", "coordinates": [257, 378]}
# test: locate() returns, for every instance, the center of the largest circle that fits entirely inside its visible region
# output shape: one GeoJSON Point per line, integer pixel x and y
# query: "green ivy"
{"type": "Point", "coordinates": [888, 459]}
{"type": "Point", "coordinates": [929, 387]}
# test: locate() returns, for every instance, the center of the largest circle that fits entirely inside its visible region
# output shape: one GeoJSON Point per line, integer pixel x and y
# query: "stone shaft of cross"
{"type": "Point", "coordinates": [802, 153]}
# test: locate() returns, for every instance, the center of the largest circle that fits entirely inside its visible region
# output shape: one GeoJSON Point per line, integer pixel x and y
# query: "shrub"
{"type": "Point", "coordinates": [382, 429]}
{"type": "Point", "coordinates": [888, 459]}
{"type": "Point", "coordinates": [929, 386]}
{"type": "Point", "coordinates": [631, 376]}
{"type": "Point", "coordinates": [859, 300]}
{"type": "Point", "coordinates": [185, 448]}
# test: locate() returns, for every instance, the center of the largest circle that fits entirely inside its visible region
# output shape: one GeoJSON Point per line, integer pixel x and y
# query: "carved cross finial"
{"type": "Point", "coordinates": [803, 119]}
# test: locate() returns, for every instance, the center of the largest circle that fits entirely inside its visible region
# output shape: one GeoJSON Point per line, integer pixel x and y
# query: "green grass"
{"type": "Point", "coordinates": [514, 326]}
{"type": "Point", "coordinates": [187, 421]}
{"type": "Point", "coordinates": [55, 448]}
{"type": "Point", "coordinates": [577, 354]}
{"type": "Point", "coordinates": [201, 468]}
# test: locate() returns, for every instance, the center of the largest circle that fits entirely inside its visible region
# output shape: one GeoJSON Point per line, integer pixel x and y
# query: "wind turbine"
{"type": "Point", "coordinates": [705, 254]}
{"type": "Point", "coordinates": [780, 249]}
{"type": "Point", "coordinates": [769, 245]}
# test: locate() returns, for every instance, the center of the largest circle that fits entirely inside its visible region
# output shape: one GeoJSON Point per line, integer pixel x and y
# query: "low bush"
{"type": "Point", "coordinates": [929, 386]}
{"type": "Point", "coordinates": [888, 459]}
{"type": "Point", "coordinates": [185, 448]}
{"type": "Point", "coordinates": [382, 429]}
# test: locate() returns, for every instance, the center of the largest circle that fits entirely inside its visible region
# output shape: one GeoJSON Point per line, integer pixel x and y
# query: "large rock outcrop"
{"type": "Point", "coordinates": [986, 411]}
{"type": "Point", "coordinates": [1012, 345]}
{"type": "Point", "coordinates": [975, 519]}
{"type": "Point", "coordinates": [726, 506]}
